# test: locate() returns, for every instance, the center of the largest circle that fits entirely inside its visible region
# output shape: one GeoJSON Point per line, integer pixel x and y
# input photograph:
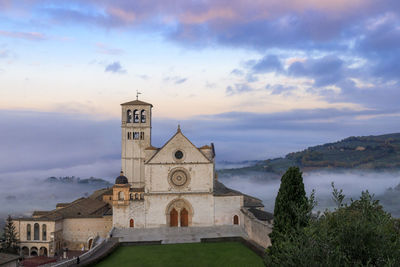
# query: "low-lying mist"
{"type": "Point", "coordinates": [265, 186]}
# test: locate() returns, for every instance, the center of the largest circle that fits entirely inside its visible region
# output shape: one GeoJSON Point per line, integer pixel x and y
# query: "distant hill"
{"type": "Point", "coordinates": [380, 152]}
{"type": "Point", "coordinates": [77, 180]}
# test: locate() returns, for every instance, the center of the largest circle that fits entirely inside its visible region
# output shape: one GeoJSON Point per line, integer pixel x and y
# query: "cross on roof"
{"type": "Point", "coordinates": [137, 94]}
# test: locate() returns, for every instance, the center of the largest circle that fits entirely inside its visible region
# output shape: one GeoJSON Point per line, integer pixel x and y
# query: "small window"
{"type": "Point", "coordinates": [143, 116]}
{"type": "Point", "coordinates": [136, 116]}
{"type": "Point", "coordinates": [129, 135]}
{"type": "Point", "coordinates": [141, 135]}
{"type": "Point", "coordinates": [179, 154]}
{"type": "Point", "coordinates": [110, 198]}
{"type": "Point", "coordinates": [136, 135]}
{"type": "Point", "coordinates": [121, 195]}
{"type": "Point", "coordinates": [235, 219]}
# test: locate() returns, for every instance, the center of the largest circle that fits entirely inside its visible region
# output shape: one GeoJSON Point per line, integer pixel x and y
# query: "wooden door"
{"type": "Point", "coordinates": [173, 220]}
{"type": "Point", "coordinates": [184, 218]}
{"type": "Point", "coordinates": [131, 223]}
{"type": "Point", "coordinates": [235, 219]}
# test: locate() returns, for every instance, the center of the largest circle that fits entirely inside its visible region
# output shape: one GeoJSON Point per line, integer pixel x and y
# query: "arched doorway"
{"type": "Point", "coordinates": [43, 251]}
{"type": "Point", "coordinates": [173, 218]}
{"type": "Point", "coordinates": [25, 251]}
{"type": "Point", "coordinates": [235, 219]}
{"type": "Point", "coordinates": [90, 243]}
{"type": "Point", "coordinates": [184, 218]}
{"type": "Point", "coordinates": [34, 251]}
{"type": "Point", "coordinates": [131, 223]}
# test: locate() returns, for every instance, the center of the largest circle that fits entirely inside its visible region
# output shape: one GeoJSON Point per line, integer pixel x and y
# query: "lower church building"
{"type": "Point", "coordinates": [175, 185]}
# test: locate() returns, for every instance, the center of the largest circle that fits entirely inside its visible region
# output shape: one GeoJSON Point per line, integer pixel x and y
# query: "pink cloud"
{"type": "Point", "coordinates": [34, 36]}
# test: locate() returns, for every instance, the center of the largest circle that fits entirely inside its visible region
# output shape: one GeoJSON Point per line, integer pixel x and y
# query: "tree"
{"type": "Point", "coordinates": [360, 233]}
{"type": "Point", "coordinates": [292, 208]}
{"type": "Point", "coordinates": [10, 243]}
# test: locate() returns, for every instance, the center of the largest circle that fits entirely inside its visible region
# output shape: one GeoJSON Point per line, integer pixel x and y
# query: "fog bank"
{"type": "Point", "coordinates": [351, 182]}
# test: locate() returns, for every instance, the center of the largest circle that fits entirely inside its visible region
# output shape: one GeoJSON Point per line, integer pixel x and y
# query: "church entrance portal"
{"type": "Point", "coordinates": [184, 218]}
{"type": "Point", "coordinates": [179, 213]}
{"type": "Point", "coordinates": [173, 218]}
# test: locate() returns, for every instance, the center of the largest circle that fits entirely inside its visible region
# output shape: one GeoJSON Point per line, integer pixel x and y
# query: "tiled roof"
{"type": "Point", "coordinates": [262, 215]}
{"type": "Point", "coordinates": [221, 190]}
{"type": "Point", "coordinates": [136, 102]}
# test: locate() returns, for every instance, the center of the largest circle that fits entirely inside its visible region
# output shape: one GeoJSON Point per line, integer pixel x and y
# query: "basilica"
{"type": "Point", "coordinates": [175, 185]}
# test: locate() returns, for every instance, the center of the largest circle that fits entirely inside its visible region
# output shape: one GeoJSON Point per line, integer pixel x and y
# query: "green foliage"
{"type": "Point", "coordinates": [358, 234]}
{"type": "Point", "coordinates": [292, 210]}
{"type": "Point", "coordinates": [10, 243]}
{"type": "Point", "coordinates": [364, 152]}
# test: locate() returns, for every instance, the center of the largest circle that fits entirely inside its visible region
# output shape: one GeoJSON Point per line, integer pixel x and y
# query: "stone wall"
{"type": "Point", "coordinates": [257, 230]}
{"type": "Point", "coordinates": [226, 207]}
{"type": "Point", "coordinates": [123, 214]}
{"type": "Point", "coordinates": [78, 231]}
{"type": "Point", "coordinates": [202, 206]}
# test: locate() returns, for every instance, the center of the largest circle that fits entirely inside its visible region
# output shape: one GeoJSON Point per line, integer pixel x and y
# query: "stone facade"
{"type": "Point", "coordinates": [172, 186]}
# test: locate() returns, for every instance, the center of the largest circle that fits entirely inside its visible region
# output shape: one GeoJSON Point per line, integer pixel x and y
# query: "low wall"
{"type": "Point", "coordinates": [257, 230]}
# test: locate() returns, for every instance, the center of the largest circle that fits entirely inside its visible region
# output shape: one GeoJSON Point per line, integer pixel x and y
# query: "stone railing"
{"type": "Point", "coordinates": [257, 230]}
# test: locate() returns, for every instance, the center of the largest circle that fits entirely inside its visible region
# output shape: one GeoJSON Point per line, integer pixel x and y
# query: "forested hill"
{"type": "Point", "coordinates": [380, 152]}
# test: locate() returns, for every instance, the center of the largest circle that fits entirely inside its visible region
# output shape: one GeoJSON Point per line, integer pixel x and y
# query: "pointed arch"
{"type": "Point", "coordinates": [177, 206]}
{"type": "Point", "coordinates": [131, 223]}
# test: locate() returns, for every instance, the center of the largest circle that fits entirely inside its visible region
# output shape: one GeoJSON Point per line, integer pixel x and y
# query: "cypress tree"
{"type": "Point", "coordinates": [292, 208]}
{"type": "Point", "coordinates": [10, 243]}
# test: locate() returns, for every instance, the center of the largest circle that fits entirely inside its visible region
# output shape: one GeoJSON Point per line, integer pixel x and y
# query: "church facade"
{"type": "Point", "coordinates": [170, 186]}
{"type": "Point", "coordinates": [175, 185]}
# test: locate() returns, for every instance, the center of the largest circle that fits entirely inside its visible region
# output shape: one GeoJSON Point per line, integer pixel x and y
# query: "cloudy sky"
{"type": "Point", "coordinates": [258, 78]}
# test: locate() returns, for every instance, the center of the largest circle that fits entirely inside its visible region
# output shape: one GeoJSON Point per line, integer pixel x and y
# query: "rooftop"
{"type": "Point", "coordinates": [137, 102]}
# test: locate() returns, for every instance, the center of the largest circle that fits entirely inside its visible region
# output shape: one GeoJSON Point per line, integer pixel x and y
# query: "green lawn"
{"type": "Point", "coordinates": [197, 254]}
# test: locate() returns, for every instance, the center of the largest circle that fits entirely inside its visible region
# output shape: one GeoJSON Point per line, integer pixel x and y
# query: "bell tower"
{"type": "Point", "coordinates": [136, 137]}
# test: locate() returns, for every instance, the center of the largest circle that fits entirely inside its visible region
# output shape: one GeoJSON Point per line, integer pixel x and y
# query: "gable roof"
{"type": "Point", "coordinates": [137, 102]}
{"type": "Point", "coordinates": [177, 132]}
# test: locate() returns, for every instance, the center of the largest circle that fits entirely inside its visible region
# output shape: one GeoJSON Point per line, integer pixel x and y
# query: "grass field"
{"type": "Point", "coordinates": [197, 254]}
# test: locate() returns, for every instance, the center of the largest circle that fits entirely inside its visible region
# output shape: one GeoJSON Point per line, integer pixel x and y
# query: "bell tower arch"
{"type": "Point", "coordinates": [136, 137]}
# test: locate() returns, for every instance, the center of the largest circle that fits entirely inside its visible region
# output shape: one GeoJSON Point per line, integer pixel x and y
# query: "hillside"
{"type": "Point", "coordinates": [380, 152]}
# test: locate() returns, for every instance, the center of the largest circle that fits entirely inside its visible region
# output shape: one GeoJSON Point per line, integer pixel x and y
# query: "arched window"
{"type": "Point", "coordinates": [128, 116]}
{"type": "Point", "coordinates": [143, 116]}
{"type": "Point", "coordinates": [136, 116]}
{"type": "Point", "coordinates": [36, 231]}
{"type": "Point", "coordinates": [28, 232]}
{"type": "Point", "coordinates": [44, 232]}
{"type": "Point", "coordinates": [235, 219]}
{"type": "Point", "coordinates": [121, 195]}
{"type": "Point", "coordinates": [131, 196]}
{"type": "Point", "coordinates": [131, 223]}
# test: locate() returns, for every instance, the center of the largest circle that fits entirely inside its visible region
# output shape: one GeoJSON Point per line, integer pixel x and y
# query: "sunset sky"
{"type": "Point", "coordinates": [259, 78]}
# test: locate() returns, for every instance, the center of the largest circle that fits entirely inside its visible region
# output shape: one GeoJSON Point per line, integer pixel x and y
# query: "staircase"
{"type": "Point", "coordinates": [175, 235]}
